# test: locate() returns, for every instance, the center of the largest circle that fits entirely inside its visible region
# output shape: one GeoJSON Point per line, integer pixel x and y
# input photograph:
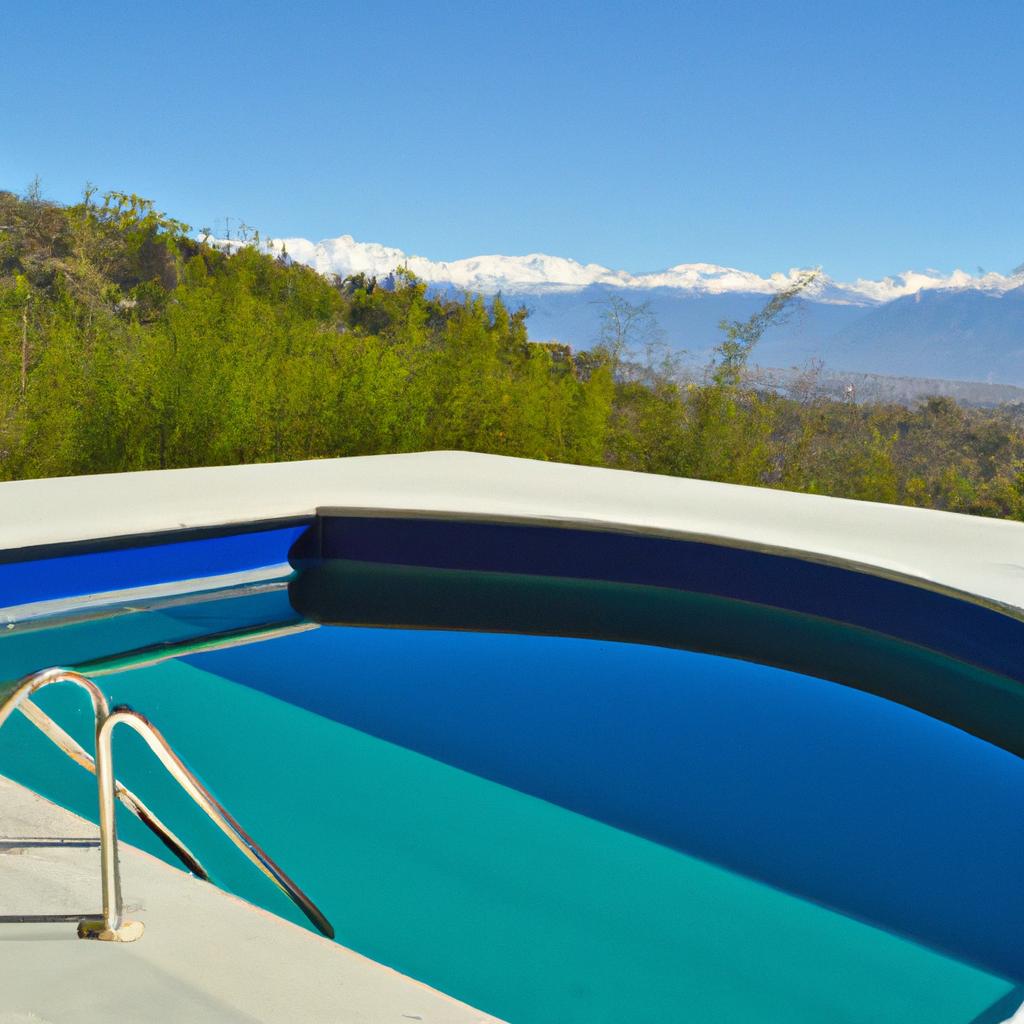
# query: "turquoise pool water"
{"type": "Point", "coordinates": [559, 829]}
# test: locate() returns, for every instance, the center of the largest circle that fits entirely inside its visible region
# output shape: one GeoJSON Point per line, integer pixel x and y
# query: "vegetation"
{"type": "Point", "coordinates": [126, 343]}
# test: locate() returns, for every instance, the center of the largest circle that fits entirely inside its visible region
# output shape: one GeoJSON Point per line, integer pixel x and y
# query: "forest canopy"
{"type": "Point", "coordinates": [127, 343]}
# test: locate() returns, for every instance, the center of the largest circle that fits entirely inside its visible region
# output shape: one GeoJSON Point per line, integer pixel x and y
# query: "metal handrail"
{"type": "Point", "coordinates": [25, 687]}
{"type": "Point", "coordinates": [111, 924]}
{"type": "Point", "coordinates": [206, 800]}
{"type": "Point", "coordinates": [53, 732]}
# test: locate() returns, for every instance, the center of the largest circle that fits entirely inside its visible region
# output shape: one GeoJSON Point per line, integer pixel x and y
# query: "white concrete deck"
{"type": "Point", "coordinates": [981, 559]}
{"type": "Point", "coordinates": [206, 957]}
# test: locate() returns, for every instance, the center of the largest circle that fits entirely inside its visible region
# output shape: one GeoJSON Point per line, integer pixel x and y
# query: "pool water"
{"type": "Point", "coordinates": [560, 828]}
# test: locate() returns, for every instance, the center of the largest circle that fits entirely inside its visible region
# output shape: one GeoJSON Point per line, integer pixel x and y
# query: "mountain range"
{"type": "Point", "coordinates": [955, 326]}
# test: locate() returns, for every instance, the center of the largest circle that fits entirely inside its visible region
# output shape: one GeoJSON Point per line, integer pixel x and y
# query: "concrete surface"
{"type": "Point", "coordinates": [206, 956]}
{"type": "Point", "coordinates": [970, 556]}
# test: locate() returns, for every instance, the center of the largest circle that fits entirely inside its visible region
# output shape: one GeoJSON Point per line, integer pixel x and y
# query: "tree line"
{"type": "Point", "coordinates": [126, 343]}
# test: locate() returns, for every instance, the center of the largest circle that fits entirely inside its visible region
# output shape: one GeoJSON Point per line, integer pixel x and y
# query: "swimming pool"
{"type": "Point", "coordinates": [570, 774]}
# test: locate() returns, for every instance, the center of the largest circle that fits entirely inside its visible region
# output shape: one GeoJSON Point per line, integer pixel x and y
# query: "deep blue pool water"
{"type": "Point", "coordinates": [841, 797]}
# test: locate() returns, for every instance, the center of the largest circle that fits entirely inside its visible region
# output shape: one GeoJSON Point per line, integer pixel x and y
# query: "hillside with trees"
{"type": "Point", "coordinates": [126, 343]}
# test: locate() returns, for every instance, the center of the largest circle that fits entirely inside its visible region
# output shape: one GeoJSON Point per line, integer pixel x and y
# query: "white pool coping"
{"type": "Point", "coordinates": [977, 558]}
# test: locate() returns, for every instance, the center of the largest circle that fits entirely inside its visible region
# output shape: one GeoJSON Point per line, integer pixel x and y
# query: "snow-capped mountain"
{"type": "Point", "coordinates": [917, 324]}
{"type": "Point", "coordinates": [538, 272]}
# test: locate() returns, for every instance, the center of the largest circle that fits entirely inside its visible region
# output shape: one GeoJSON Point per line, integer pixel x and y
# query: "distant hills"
{"type": "Point", "coordinates": [962, 333]}
{"type": "Point", "coordinates": [849, 386]}
{"type": "Point", "coordinates": [914, 325]}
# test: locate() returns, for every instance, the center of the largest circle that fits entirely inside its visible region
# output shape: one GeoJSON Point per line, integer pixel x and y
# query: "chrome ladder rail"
{"type": "Point", "coordinates": [53, 732]}
{"type": "Point", "coordinates": [111, 924]}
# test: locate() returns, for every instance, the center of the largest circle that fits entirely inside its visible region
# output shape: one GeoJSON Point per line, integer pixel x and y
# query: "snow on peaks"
{"type": "Point", "coordinates": [538, 272]}
{"type": "Point", "coordinates": [534, 272]}
{"type": "Point", "coordinates": [343, 256]}
{"type": "Point", "coordinates": [911, 283]}
{"type": "Point", "coordinates": [708, 277]}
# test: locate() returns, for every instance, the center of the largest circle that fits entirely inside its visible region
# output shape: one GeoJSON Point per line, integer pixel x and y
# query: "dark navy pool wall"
{"type": "Point", "coordinates": [954, 627]}
{"type": "Point", "coordinates": [958, 628]}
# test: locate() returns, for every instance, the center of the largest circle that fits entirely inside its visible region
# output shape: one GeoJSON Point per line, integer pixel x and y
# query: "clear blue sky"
{"type": "Point", "coordinates": [865, 137]}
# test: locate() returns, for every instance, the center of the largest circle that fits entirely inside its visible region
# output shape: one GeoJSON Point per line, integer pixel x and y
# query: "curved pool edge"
{"type": "Point", "coordinates": [971, 558]}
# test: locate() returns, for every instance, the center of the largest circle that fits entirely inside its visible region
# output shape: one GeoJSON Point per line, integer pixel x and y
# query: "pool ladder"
{"type": "Point", "coordinates": [111, 924]}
